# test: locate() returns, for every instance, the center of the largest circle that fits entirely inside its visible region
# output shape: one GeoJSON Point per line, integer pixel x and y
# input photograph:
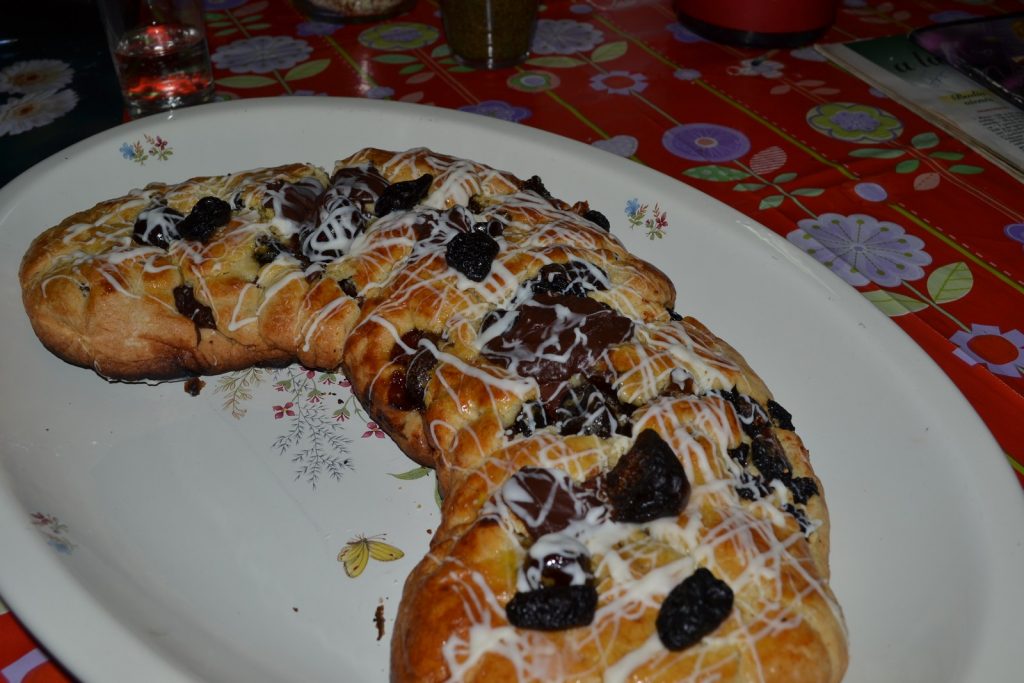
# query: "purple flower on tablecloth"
{"type": "Point", "coordinates": [399, 35]}
{"type": "Point", "coordinates": [1001, 352]}
{"type": "Point", "coordinates": [564, 37]}
{"type": "Point", "coordinates": [35, 75]}
{"type": "Point", "coordinates": [35, 109]}
{"type": "Point", "coordinates": [683, 34]}
{"type": "Point", "coordinates": [758, 67]}
{"type": "Point", "coordinates": [687, 74]}
{"type": "Point", "coordinates": [862, 249]}
{"type": "Point", "coordinates": [870, 192]}
{"type": "Point", "coordinates": [1015, 231]}
{"type": "Point", "coordinates": [379, 92]}
{"type": "Point", "coordinates": [261, 54]}
{"type": "Point", "coordinates": [580, 9]}
{"type": "Point", "coordinates": [851, 122]}
{"type": "Point", "coordinates": [619, 82]}
{"type": "Point", "coordinates": [706, 142]}
{"type": "Point", "coordinates": [218, 5]}
{"type": "Point", "coordinates": [950, 15]}
{"type": "Point", "coordinates": [498, 110]}
{"type": "Point", "coordinates": [317, 28]}
{"type": "Point", "coordinates": [855, 3]}
{"type": "Point", "coordinates": [533, 81]}
{"type": "Point", "coordinates": [808, 54]}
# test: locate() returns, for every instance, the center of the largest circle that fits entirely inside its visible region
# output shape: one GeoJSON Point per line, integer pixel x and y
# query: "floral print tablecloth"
{"type": "Point", "coordinates": [924, 227]}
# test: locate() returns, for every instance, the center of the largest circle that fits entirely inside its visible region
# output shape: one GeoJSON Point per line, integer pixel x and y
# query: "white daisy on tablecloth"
{"type": "Point", "coordinates": [35, 109]}
{"type": "Point", "coordinates": [35, 75]}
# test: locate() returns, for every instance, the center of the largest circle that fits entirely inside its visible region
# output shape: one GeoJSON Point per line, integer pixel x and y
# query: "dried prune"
{"type": "Point", "coordinates": [574, 278]}
{"type": "Point", "coordinates": [647, 482]}
{"type": "Point", "coordinates": [598, 219]}
{"type": "Point", "coordinates": [693, 609]}
{"type": "Point", "coordinates": [157, 226]}
{"type": "Point", "coordinates": [185, 302]}
{"type": "Point", "coordinates": [266, 249]}
{"type": "Point", "coordinates": [403, 196]}
{"type": "Point", "coordinates": [471, 253]}
{"type": "Point", "coordinates": [208, 214]}
{"type": "Point", "coordinates": [780, 416]}
{"type": "Point", "coordinates": [770, 459]}
{"type": "Point", "coordinates": [535, 184]}
{"type": "Point", "coordinates": [593, 408]}
{"type": "Point", "coordinates": [547, 501]}
{"type": "Point", "coordinates": [417, 375]}
{"type": "Point", "coordinates": [672, 315]}
{"type": "Point", "coordinates": [348, 286]}
{"type": "Point", "coordinates": [530, 418]}
{"type": "Point", "coordinates": [553, 609]}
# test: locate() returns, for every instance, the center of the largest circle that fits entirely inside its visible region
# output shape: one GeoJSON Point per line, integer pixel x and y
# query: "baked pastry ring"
{"type": "Point", "coordinates": [623, 497]}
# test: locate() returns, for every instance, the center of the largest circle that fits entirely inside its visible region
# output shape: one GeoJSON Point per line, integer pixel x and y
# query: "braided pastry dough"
{"type": "Point", "coordinates": [624, 500]}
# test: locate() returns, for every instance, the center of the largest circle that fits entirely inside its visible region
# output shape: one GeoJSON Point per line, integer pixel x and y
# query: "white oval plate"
{"type": "Point", "coordinates": [150, 535]}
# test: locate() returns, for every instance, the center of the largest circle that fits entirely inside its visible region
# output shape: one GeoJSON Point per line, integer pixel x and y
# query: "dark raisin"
{"type": "Point", "coordinates": [348, 286]}
{"type": "Point", "coordinates": [770, 459]}
{"type": "Point", "coordinates": [266, 249]}
{"type": "Point", "coordinates": [403, 196]}
{"type": "Point", "coordinates": [574, 278]}
{"type": "Point", "coordinates": [753, 419]}
{"type": "Point", "coordinates": [471, 253]}
{"type": "Point", "coordinates": [800, 516]}
{"type": "Point", "coordinates": [593, 408]}
{"type": "Point", "coordinates": [459, 219]}
{"type": "Point", "coordinates": [598, 219]}
{"type": "Point", "coordinates": [531, 418]}
{"type": "Point", "coordinates": [237, 202]}
{"type": "Point", "coordinates": [185, 302]}
{"type": "Point", "coordinates": [403, 353]}
{"type": "Point", "coordinates": [474, 205]}
{"type": "Point", "coordinates": [417, 375]}
{"type": "Point", "coordinates": [207, 215]}
{"type": "Point", "coordinates": [672, 315]}
{"type": "Point", "coordinates": [751, 487]}
{"type": "Point", "coordinates": [780, 416]}
{"type": "Point", "coordinates": [648, 482]}
{"type": "Point", "coordinates": [693, 609]}
{"type": "Point", "coordinates": [157, 226]}
{"type": "Point", "coordinates": [558, 567]}
{"type": "Point", "coordinates": [553, 609]}
{"type": "Point", "coordinates": [493, 227]}
{"type": "Point", "coordinates": [535, 184]}
{"type": "Point", "coordinates": [194, 385]}
{"type": "Point", "coordinates": [740, 454]}
{"type": "Point", "coordinates": [802, 488]}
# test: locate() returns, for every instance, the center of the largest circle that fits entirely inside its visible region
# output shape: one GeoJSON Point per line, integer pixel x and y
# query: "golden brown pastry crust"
{"type": "Point", "coordinates": [395, 313]}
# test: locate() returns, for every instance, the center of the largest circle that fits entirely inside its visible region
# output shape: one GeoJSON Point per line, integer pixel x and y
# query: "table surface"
{"type": "Point", "coordinates": [755, 129]}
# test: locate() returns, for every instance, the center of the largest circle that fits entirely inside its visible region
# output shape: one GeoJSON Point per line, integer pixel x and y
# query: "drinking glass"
{"type": "Point", "coordinates": [160, 52]}
{"type": "Point", "coordinates": [489, 34]}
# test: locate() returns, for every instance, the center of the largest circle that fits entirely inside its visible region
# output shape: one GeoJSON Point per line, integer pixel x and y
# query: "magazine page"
{"type": "Point", "coordinates": [939, 93]}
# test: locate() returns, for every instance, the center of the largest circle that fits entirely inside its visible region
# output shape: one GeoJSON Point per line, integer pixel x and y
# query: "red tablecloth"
{"type": "Point", "coordinates": [922, 225]}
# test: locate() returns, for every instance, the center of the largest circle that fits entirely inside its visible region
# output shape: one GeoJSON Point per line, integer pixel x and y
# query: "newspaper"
{"type": "Point", "coordinates": [939, 93]}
